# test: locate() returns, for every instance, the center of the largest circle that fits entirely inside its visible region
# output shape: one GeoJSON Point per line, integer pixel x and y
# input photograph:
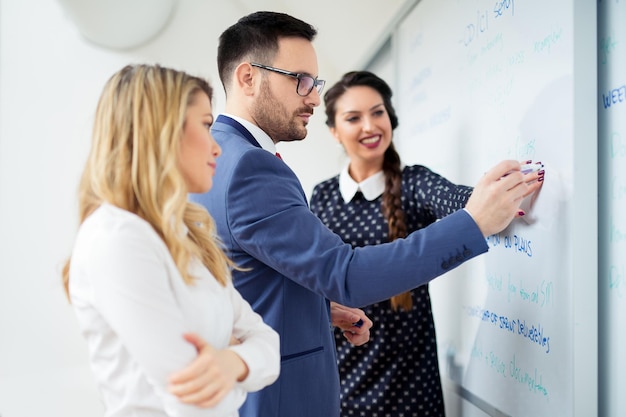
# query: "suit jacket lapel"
{"type": "Point", "coordinates": [237, 126]}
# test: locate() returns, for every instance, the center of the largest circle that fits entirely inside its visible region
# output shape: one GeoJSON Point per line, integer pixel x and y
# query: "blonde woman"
{"type": "Point", "coordinates": [148, 280]}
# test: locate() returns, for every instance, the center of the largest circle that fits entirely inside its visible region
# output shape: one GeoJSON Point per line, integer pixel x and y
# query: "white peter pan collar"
{"type": "Point", "coordinates": [372, 187]}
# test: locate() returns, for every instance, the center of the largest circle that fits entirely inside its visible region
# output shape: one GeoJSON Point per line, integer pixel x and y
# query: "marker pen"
{"type": "Point", "coordinates": [528, 168]}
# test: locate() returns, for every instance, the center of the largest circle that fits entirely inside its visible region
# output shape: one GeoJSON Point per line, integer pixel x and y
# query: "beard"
{"type": "Point", "coordinates": [274, 119]}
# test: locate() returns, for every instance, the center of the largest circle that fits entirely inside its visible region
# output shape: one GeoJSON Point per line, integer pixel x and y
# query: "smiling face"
{"type": "Point", "coordinates": [279, 110]}
{"type": "Point", "coordinates": [198, 149]}
{"type": "Point", "coordinates": [363, 127]}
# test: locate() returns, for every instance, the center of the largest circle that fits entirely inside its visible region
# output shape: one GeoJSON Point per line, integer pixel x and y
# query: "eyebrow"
{"type": "Point", "coordinates": [370, 109]}
{"type": "Point", "coordinates": [296, 72]}
{"type": "Point", "coordinates": [303, 73]}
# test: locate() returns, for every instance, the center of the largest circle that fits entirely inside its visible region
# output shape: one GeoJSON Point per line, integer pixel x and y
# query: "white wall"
{"type": "Point", "coordinates": [50, 80]}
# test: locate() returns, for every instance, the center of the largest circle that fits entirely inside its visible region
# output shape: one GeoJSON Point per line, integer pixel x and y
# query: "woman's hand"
{"type": "Point", "coordinates": [497, 196]}
{"type": "Point", "coordinates": [209, 377]}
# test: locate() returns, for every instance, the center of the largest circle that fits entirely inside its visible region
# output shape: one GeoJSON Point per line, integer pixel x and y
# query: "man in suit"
{"type": "Point", "coordinates": [293, 263]}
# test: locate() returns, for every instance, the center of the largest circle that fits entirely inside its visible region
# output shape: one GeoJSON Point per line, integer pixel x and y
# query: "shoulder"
{"type": "Point", "coordinates": [325, 188]}
{"type": "Point", "coordinates": [420, 174]}
{"type": "Point", "coordinates": [328, 184]}
{"type": "Point", "coordinates": [111, 231]}
{"type": "Point", "coordinates": [233, 144]}
{"type": "Point", "coordinates": [115, 221]}
{"type": "Point", "coordinates": [416, 171]}
{"type": "Point", "coordinates": [255, 185]}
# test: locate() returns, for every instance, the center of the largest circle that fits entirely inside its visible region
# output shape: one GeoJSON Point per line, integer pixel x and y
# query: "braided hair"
{"type": "Point", "coordinates": [391, 206]}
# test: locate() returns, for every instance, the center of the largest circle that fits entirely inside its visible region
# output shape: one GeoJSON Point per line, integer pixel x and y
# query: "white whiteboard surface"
{"type": "Point", "coordinates": [485, 80]}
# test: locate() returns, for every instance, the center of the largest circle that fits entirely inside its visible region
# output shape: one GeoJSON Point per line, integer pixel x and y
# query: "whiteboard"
{"type": "Point", "coordinates": [485, 80]}
{"type": "Point", "coordinates": [612, 214]}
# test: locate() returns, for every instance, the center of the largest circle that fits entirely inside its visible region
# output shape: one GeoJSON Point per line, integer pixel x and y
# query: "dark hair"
{"type": "Point", "coordinates": [353, 79]}
{"type": "Point", "coordinates": [392, 196]}
{"type": "Point", "coordinates": [255, 37]}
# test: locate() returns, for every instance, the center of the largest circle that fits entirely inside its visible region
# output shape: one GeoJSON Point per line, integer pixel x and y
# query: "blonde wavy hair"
{"type": "Point", "coordinates": [134, 162]}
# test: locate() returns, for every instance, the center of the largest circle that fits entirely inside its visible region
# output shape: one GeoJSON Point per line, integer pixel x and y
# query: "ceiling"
{"type": "Point", "coordinates": [349, 31]}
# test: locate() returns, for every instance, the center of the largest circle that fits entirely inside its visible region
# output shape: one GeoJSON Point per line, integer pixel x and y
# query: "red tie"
{"type": "Point", "coordinates": [279, 157]}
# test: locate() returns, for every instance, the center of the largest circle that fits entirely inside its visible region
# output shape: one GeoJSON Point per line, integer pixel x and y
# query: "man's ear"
{"type": "Point", "coordinates": [245, 78]}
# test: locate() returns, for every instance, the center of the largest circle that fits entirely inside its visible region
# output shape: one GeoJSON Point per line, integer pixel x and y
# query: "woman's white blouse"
{"type": "Point", "coordinates": [133, 308]}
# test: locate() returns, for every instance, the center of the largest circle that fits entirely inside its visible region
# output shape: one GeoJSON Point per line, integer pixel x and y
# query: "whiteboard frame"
{"type": "Point", "coordinates": [585, 210]}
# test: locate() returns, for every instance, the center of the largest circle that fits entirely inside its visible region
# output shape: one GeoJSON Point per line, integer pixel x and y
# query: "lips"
{"type": "Point", "coordinates": [371, 141]}
{"type": "Point", "coordinates": [305, 112]}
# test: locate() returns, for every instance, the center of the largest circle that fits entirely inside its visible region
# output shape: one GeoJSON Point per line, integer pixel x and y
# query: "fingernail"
{"type": "Point", "coordinates": [521, 213]}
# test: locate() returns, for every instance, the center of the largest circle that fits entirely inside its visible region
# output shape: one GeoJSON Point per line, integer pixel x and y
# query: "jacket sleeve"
{"type": "Point", "coordinates": [276, 226]}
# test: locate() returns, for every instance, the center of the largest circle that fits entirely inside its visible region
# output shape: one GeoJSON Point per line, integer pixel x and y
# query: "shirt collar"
{"type": "Point", "coordinates": [372, 187]}
{"type": "Point", "coordinates": [263, 138]}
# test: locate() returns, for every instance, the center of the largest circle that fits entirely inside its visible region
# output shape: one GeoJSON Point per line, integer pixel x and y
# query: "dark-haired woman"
{"type": "Point", "coordinates": [375, 199]}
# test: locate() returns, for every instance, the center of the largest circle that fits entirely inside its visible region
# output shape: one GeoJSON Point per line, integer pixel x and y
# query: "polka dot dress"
{"type": "Point", "coordinates": [397, 372]}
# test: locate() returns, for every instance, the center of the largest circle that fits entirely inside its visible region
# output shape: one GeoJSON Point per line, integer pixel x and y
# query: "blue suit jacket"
{"type": "Point", "coordinates": [297, 264]}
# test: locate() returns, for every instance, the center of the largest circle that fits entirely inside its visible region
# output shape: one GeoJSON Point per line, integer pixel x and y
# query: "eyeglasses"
{"type": "Point", "coordinates": [306, 83]}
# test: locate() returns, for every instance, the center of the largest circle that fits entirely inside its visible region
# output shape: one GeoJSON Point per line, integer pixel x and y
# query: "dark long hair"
{"type": "Point", "coordinates": [392, 196]}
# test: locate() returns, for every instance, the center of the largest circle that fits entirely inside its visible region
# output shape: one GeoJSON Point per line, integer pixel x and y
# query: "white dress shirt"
{"type": "Point", "coordinates": [133, 308]}
{"type": "Point", "coordinates": [259, 134]}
